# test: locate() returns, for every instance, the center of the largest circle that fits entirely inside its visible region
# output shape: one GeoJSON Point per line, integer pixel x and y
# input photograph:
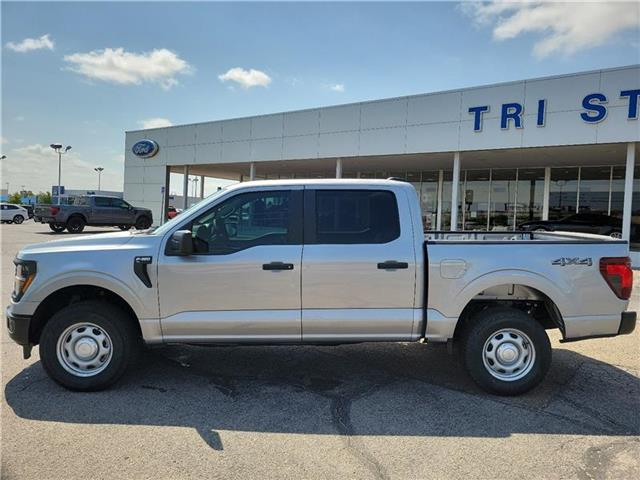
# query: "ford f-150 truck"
{"type": "Point", "coordinates": [94, 210]}
{"type": "Point", "coordinates": [316, 262]}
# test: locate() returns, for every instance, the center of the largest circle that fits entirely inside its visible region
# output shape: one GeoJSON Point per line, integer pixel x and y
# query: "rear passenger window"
{"type": "Point", "coordinates": [356, 216]}
{"type": "Point", "coordinates": [102, 202]}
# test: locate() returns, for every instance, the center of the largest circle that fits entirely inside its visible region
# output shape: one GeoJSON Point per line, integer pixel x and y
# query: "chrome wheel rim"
{"type": "Point", "coordinates": [84, 349]}
{"type": "Point", "coordinates": [508, 354]}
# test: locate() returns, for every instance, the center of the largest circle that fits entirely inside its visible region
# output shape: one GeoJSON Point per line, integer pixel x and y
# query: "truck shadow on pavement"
{"type": "Point", "coordinates": [352, 390]}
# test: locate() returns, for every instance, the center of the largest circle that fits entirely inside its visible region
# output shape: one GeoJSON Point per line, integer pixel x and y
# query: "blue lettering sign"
{"type": "Point", "coordinates": [477, 119]}
{"type": "Point", "coordinates": [633, 102]}
{"type": "Point", "coordinates": [599, 109]}
{"type": "Point", "coordinates": [542, 109]}
{"type": "Point", "coordinates": [511, 111]}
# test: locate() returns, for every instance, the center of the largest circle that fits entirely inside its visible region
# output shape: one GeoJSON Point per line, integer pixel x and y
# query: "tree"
{"type": "Point", "coordinates": [44, 197]}
{"type": "Point", "coordinates": [15, 198]}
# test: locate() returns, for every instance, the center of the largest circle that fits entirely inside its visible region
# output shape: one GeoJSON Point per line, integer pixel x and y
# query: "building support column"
{"type": "Point", "coordinates": [339, 168]}
{"type": "Point", "coordinates": [252, 172]}
{"type": "Point", "coordinates": [455, 186]}
{"type": "Point", "coordinates": [439, 201]}
{"type": "Point", "coordinates": [628, 191]}
{"type": "Point", "coordinates": [545, 195]}
{"type": "Point", "coordinates": [185, 188]}
{"type": "Point", "coordinates": [202, 186]}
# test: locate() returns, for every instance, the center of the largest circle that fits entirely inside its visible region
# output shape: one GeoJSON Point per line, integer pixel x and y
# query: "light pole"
{"type": "Point", "coordinates": [99, 170]}
{"type": "Point", "coordinates": [58, 148]}
{"type": "Point", "coordinates": [195, 186]}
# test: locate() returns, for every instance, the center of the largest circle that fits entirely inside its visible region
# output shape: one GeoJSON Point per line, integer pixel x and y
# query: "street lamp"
{"type": "Point", "coordinates": [99, 170]}
{"type": "Point", "coordinates": [58, 148]}
{"type": "Point", "coordinates": [195, 186]}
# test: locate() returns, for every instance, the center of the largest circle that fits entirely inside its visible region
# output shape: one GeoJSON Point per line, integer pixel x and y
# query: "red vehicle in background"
{"type": "Point", "coordinates": [172, 212]}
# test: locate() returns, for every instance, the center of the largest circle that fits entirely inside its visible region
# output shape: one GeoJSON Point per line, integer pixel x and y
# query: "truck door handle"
{"type": "Point", "coordinates": [277, 266]}
{"type": "Point", "coordinates": [392, 265]}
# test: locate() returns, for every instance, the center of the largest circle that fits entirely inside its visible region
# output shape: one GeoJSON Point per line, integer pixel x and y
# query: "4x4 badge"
{"type": "Point", "coordinates": [564, 261]}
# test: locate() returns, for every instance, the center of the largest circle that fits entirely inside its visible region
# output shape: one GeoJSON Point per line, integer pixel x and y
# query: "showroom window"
{"type": "Point", "coordinates": [563, 192]}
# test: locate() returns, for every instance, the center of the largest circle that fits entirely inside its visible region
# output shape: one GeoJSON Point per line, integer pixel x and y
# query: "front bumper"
{"type": "Point", "coordinates": [18, 328]}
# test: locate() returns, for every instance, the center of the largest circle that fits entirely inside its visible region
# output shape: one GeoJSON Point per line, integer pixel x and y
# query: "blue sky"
{"type": "Point", "coordinates": [303, 54]}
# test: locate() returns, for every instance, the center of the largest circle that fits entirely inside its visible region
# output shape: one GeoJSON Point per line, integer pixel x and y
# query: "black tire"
{"type": "Point", "coordinates": [142, 223]}
{"type": "Point", "coordinates": [18, 219]}
{"type": "Point", "coordinates": [57, 227]}
{"type": "Point", "coordinates": [483, 330]}
{"type": "Point", "coordinates": [120, 328]}
{"type": "Point", "coordinates": [75, 224]}
{"type": "Point", "coordinates": [124, 227]}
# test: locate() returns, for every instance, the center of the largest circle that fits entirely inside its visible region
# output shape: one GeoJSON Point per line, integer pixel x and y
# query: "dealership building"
{"type": "Point", "coordinates": [481, 158]}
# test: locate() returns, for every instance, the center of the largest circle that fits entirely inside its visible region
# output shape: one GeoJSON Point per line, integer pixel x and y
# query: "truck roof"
{"type": "Point", "coordinates": [323, 181]}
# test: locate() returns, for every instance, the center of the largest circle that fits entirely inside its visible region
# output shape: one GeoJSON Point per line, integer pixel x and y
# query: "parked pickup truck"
{"type": "Point", "coordinates": [316, 262]}
{"type": "Point", "coordinates": [93, 210]}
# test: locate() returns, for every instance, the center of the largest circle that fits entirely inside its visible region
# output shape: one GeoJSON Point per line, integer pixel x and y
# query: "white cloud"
{"type": "Point", "coordinates": [115, 65]}
{"type": "Point", "coordinates": [36, 167]}
{"type": "Point", "coordinates": [155, 123]}
{"type": "Point", "coordinates": [246, 78]}
{"type": "Point", "coordinates": [565, 27]}
{"type": "Point", "coordinates": [338, 87]}
{"type": "Point", "coordinates": [29, 44]}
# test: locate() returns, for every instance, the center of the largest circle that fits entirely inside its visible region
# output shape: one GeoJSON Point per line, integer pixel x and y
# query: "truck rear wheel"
{"type": "Point", "coordinates": [88, 346]}
{"type": "Point", "coordinates": [57, 227]}
{"type": "Point", "coordinates": [75, 224]}
{"type": "Point", "coordinates": [506, 351]}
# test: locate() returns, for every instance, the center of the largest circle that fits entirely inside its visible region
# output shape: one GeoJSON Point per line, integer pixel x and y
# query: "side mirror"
{"type": "Point", "coordinates": [180, 244]}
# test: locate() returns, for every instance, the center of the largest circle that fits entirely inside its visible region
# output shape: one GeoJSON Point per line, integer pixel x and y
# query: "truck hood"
{"type": "Point", "coordinates": [100, 241]}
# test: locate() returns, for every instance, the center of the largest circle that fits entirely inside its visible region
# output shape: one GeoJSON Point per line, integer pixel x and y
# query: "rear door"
{"type": "Point", "coordinates": [103, 212]}
{"type": "Point", "coordinates": [358, 265]}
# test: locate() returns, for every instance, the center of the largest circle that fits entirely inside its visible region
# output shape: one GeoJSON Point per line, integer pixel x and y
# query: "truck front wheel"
{"type": "Point", "coordinates": [57, 227]}
{"type": "Point", "coordinates": [506, 351]}
{"type": "Point", "coordinates": [142, 223]}
{"type": "Point", "coordinates": [88, 346]}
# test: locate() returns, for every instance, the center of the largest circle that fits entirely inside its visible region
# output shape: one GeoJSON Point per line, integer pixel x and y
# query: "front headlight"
{"type": "Point", "coordinates": [25, 273]}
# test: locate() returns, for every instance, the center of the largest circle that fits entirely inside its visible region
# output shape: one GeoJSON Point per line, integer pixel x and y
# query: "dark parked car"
{"type": "Point", "coordinates": [579, 222]}
{"type": "Point", "coordinates": [93, 210]}
{"type": "Point", "coordinates": [29, 209]}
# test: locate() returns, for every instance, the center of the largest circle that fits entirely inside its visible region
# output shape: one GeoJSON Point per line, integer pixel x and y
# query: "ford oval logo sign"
{"type": "Point", "coordinates": [145, 148]}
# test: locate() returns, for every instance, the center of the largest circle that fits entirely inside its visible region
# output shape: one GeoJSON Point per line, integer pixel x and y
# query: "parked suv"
{"type": "Point", "coordinates": [93, 210]}
{"type": "Point", "coordinates": [11, 213]}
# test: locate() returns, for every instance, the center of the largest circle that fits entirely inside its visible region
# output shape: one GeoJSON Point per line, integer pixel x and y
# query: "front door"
{"type": "Point", "coordinates": [123, 213]}
{"type": "Point", "coordinates": [359, 266]}
{"type": "Point", "coordinates": [242, 282]}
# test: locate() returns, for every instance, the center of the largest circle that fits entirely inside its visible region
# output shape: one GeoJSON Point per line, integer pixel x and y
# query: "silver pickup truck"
{"type": "Point", "coordinates": [316, 262]}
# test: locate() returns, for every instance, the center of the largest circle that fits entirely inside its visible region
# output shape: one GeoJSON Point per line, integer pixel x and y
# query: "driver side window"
{"type": "Point", "coordinates": [244, 221]}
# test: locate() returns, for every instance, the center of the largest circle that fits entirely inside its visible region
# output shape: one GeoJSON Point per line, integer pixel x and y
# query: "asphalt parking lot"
{"type": "Point", "coordinates": [401, 411]}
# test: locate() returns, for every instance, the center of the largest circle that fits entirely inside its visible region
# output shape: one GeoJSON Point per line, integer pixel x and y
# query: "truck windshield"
{"type": "Point", "coordinates": [165, 227]}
